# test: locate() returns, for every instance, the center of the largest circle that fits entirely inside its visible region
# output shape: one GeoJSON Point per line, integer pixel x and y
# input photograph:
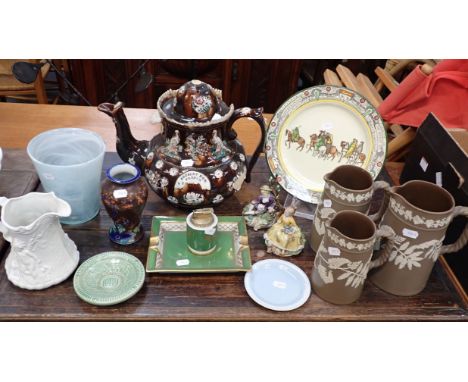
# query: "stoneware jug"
{"type": "Point", "coordinates": [347, 187]}
{"type": "Point", "coordinates": [41, 254]}
{"type": "Point", "coordinates": [197, 160]}
{"type": "Point", "coordinates": [344, 256]}
{"type": "Point", "coordinates": [419, 212]}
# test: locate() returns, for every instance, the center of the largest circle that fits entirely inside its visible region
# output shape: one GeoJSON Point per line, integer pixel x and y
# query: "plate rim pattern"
{"type": "Point", "coordinates": [313, 94]}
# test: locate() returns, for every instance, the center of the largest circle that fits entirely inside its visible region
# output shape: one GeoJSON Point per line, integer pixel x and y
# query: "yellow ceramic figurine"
{"type": "Point", "coordinates": [285, 238]}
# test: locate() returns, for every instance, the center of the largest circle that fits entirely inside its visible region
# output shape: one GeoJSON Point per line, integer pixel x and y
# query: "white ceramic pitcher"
{"type": "Point", "coordinates": [41, 253]}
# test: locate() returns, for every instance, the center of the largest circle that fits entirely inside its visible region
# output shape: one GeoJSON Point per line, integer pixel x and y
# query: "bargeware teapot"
{"type": "Point", "coordinates": [197, 160]}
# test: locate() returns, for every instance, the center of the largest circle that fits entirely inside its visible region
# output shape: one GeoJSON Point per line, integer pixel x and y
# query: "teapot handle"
{"type": "Point", "coordinates": [257, 116]}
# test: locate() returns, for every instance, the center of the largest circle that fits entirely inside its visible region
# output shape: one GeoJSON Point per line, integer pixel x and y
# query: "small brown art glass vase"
{"type": "Point", "coordinates": [124, 193]}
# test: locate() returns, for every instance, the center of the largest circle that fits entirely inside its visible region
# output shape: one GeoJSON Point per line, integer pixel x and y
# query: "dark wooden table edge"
{"type": "Point", "coordinates": [191, 318]}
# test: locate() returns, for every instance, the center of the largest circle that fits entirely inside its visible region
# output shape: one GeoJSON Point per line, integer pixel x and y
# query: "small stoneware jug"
{"type": "Point", "coordinates": [347, 187]}
{"type": "Point", "coordinates": [41, 254]}
{"type": "Point", "coordinates": [201, 231]}
{"type": "Point", "coordinates": [344, 256]}
{"type": "Point", "coordinates": [419, 212]}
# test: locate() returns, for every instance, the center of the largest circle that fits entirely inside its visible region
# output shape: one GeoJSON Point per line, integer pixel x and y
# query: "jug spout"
{"type": "Point", "coordinates": [62, 209]}
{"type": "Point", "coordinates": [22, 213]}
{"type": "Point", "coordinates": [129, 149]}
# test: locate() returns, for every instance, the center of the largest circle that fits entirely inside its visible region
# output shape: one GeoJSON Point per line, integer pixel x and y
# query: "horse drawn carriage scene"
{"type": "Point", "coordinates": [321, 146]}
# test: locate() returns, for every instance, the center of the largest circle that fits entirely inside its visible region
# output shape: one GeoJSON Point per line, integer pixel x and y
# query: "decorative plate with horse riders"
{"type": "Point", "coordinates": [319, 129]}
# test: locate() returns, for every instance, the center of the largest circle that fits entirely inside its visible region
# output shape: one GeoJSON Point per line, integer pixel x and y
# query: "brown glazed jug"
{"type": "Point", "coordinates": [347, 187]}
{"type": "Point", "coordinates": [344, 256]}
{"type": "Point", "coordinates": [419, 212]}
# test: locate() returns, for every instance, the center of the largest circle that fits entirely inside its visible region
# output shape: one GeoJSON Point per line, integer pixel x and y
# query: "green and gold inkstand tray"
{"type": "Point", "coordinates": [168, 251]}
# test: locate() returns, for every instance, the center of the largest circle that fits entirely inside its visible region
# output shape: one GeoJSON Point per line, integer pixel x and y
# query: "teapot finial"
{"type": "Point", "coordinates": [196, 100]}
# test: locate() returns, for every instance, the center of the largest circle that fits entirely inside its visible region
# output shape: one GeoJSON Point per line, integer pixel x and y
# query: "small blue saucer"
{"type": "Point", "coordinates": [277, 285]}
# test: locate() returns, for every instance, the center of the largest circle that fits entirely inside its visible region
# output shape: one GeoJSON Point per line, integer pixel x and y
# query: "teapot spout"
{"type": "Point", "coordinates": [129, 149]}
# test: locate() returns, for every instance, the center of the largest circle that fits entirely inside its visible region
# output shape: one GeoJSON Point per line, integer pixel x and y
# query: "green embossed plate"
{"type": "Point", "coordinates": [109, 278]}
{"type": "Point", "coordinates": [168, 252]}
{"type": "Point", "coordinates": [317, 130]}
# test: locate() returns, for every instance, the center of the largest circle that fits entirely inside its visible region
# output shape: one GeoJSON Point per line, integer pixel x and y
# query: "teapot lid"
{"type": "Point", "coordinates": [195, 102]}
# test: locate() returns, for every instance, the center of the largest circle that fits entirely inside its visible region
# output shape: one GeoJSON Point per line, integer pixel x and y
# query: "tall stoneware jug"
{"type": "Point", "coordinates": [41, 254]}
{"type": "Point", "coordinates": [419, 212]}
{"type": "Point", "coordinates": [344, 256]}
{"type": "Point", "coordinates": [347, 187]}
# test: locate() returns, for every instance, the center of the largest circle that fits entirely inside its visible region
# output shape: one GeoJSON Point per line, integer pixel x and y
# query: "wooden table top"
{"type": "Point", "coordinates": [19, 123]}
{"type": "Point", "coordinates": [210, 297]}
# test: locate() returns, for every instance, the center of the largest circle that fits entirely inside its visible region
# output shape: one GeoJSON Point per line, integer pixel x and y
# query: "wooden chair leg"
{"type": "Point", "coordinates": [347, 77]}
{"type": "Point", "coordinates": [396, 129]}
{"type": "Point", "coordinates": [331, 78]}
{"type": "Point", "coordinates": [400, 141]}
{"type": "Point", "coordinates": [39, 86]}
{"type": "Point", "coordinates": [367, 90]}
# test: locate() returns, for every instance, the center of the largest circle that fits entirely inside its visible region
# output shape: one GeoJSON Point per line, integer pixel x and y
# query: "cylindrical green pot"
{"type": "Point", "coordinates": [201, 240]}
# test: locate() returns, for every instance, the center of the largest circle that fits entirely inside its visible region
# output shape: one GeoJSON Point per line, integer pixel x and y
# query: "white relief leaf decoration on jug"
{"type": "Point", "coordinates": [433, 252]}
{"type": "Point", "coordinates": [403, 255]}
{"type": "Point", "coordinates": [404, 246]}
{"type": "Point", "coordinates": [429, 223]}
{"type": "Point", "coordinates": [357, 281]}
{"type": "Point", "coordinates": [402, 211]}
{"type": "Point", "coordinates": [354, 273]}
{"type": "Point", "coordinates": [414, 260]}
{"type": "Point", "coordinates": [359, 268]}
{"type": "Point", "coordinates": [349, 279]}
{"type": "Point", "coordinates": [354, 265]}
{"type": "Point", "coordinates": [354, 277]}
{"type": "Point", "coordinates": [324, 213]}
{"type": "Point", "coordinates": [343, 276]}
{"type": "Point", "coordinates": [335, 263]}
{"type": "Point", "coordinates": [327, 276]}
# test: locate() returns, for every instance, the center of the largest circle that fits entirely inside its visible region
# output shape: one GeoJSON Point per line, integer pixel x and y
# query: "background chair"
{"type": "Point", "coordinates": [10, 87]}
{"type": "Point", "coordinates": [388, 79]}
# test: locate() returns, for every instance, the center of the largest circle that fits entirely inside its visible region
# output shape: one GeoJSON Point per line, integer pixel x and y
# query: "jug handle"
{"type": "Point", "coordinates": [257, 116]}
{"type": "Point", "coordinates": [387, 232]}
{"type": "Point", "coordinates": [3, 201]}
{"type": "Point", "coordinates": [463, 239]}
{"type": "Point", "coordinates": [381, 185]}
